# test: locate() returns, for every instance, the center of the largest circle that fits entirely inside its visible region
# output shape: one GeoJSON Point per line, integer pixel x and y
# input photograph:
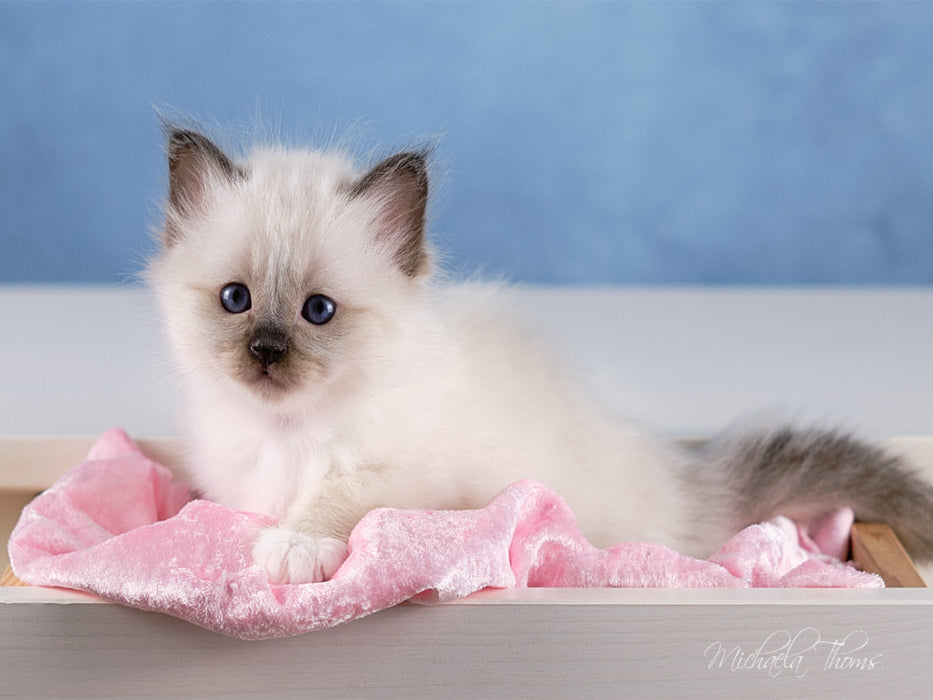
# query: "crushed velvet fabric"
{"type": "Point", "coordinates": [118, 526]}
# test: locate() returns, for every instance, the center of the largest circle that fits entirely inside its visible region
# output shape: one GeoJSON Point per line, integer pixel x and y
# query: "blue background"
{"type": "Point", "coordinates": [587, 143]}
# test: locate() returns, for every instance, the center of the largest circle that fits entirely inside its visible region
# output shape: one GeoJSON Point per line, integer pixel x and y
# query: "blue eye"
{"type": "Point", "coordinates": [318, 309]}
{"type": "Point", "coordinates": [235, 298]}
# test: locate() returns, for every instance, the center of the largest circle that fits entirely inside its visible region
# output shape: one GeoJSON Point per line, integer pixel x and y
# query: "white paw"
{"type": "Point", "coordinates": [288, 556]}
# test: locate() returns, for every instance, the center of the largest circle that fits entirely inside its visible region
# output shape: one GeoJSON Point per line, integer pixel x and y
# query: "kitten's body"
{"type": "Point", "coordinates": [412, 394]}
{"type": "Point", "coordinates": [475, 409]}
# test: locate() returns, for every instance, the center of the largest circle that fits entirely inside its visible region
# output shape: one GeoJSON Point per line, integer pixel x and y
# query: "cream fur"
{"type": "Point", "coordinates": [416, 395]}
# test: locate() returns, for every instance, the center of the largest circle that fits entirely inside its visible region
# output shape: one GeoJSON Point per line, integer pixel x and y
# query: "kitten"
{"type": "Point", "coordinates": [328, 373]}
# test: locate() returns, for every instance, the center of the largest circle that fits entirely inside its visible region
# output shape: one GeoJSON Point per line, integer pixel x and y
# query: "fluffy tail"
{"type": "Point", "coordinates": [802, 474]}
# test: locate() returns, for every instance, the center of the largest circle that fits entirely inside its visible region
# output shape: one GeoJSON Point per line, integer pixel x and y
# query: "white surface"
{"type": "Point", "coordinates": [75, 361]}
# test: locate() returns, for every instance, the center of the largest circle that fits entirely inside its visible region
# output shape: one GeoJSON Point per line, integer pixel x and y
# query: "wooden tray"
{"type": "Point", "coordinates": [531, 642]}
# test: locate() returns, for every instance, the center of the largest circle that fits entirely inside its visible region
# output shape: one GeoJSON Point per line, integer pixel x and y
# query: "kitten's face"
{"type": "Point", "coordinates": [288, 275]}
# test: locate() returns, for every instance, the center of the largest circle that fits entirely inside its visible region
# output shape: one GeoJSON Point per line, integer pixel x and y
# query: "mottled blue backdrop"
{"type": "Point", "coordinates": [623, 143]}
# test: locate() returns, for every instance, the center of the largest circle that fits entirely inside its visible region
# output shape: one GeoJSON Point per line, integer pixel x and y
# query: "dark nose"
{"type": "Point", "coordinates": [268, 346]}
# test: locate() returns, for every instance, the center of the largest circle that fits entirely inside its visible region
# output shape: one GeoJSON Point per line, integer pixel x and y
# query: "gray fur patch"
{"type": "Point", "coordinates": [803, 473]}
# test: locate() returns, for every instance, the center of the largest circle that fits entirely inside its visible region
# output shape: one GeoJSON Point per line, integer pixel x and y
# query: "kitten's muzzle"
{"type": "Point", "coordinates": [268, 345]}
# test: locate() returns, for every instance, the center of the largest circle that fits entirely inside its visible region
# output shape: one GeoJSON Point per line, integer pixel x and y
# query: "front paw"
{"type": "Point", "coordinates": [288, 556]}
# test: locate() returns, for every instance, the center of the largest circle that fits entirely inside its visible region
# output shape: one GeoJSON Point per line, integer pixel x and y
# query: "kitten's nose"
{"type": "Point", "coordinates": [268, 347]}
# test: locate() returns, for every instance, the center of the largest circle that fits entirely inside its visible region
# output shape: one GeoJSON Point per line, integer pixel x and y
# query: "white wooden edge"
{"type": "Point", "coordinates": [636, 643]}
{"type": "Point", "coordinates": [589, 596]}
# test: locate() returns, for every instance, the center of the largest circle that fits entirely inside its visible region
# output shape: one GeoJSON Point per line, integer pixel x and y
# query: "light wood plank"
{"type": "Point", "coordinates": [33, 463]}
{"type": "Point", "coordinates": [877, 549]}
{"type": "Point", "coordinates": [8, 578]}
{"type": "Point", "coordinates": [11, 505]}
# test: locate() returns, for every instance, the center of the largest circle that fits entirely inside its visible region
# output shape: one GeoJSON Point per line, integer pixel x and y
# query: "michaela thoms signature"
{"type": "Point", "coordinates": [786, 653]}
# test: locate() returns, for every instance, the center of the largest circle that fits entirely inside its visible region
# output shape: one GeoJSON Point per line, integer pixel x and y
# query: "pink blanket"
{"type": "Point", "coordinates": [117, 525]}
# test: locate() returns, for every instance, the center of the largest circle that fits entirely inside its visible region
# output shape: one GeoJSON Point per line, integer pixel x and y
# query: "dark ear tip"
{"type": "Point", "coordinates": [415, 161]}
{"type": "Point", "coordinates": [415, 165]}
{"type": "Point", "coordinates": [411, 165]}
{"type": "Point", "coordinates": [173, 131]}
{"type": "Point", "coordinates": [187, 145]}
{"type": "Point", "coordinates": [180, 138]}
{"type": "Point", "coordinates": [413, 158]}
{"type": "Point", "coordinates": [406, 161]}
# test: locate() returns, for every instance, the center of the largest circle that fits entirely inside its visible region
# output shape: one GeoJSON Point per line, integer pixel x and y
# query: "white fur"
{"type": "Point", "coordinates": [294, 557]}
{"type": "Point", "coordinates": [439, 401]}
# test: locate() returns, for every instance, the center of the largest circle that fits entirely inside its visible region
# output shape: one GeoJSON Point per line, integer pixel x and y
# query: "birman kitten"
{"type": "Point", "coordinates": [328, 373]}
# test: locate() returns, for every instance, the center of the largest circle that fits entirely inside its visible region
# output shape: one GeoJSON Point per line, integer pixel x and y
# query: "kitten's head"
{"type": "Point", "coordinates": [288, 274]}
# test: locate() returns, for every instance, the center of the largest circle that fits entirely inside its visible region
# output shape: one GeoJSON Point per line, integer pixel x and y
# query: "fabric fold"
{"type": "Point", "coordinates": [118, 526]}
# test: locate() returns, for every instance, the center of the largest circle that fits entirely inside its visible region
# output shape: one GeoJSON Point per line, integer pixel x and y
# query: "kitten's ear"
{"type": "Point", "coordinates": [193, 163]}
{"type": "Point", "coordinates": [399, 188]}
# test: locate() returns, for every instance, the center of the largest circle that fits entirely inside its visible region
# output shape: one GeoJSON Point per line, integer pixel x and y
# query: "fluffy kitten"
{"type": "Point", "coordinates": [327, 374]}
